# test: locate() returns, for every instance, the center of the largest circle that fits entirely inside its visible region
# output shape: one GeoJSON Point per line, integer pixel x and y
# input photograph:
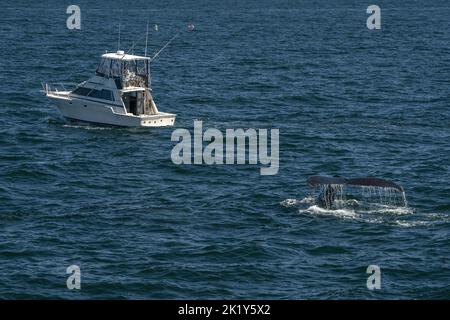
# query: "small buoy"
{"type": "Point", "coordinates": [191, 27]}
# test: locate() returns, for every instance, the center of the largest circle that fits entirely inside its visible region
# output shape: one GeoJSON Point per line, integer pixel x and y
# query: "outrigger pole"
{"type": "Point", "coordinates": [190, 28]}
{"type": "Point", "coordinates": [165, 46]}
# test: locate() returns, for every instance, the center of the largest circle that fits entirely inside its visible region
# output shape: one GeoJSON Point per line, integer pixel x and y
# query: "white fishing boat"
{"type": "Point", "coordinates": [118, 94]}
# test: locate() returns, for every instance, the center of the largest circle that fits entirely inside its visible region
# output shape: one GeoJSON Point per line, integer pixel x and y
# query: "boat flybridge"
{"type": "Point", "coordinates": [119, 94]}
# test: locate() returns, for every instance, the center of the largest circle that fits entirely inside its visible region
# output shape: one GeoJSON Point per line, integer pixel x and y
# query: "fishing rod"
{"type": "Point", "coordinates": [155, 55]}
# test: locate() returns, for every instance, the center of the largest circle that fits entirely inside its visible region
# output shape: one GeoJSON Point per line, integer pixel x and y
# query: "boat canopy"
{"type": "Point", "coordinates": [130, 70]}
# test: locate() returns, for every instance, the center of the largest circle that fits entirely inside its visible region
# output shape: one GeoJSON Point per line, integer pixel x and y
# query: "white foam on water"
{"type": "Point", "coordinates": [363, 216]}
{"type": "Point", "coordinates": [443, 217]}
{"type": "Point", "coordinates": [307, 200]}
{"type": "Point", "coordinates": [351, 209]}
{"type": "Point", "coordinates": [357, 211]}
{"type": "Point", "coordinates": [383, 215]}
{"type": "Point", "coordinates": [410, 224]}
{"type": "Point", "coordinates": [86, 127]}
{"type": "Point", "coordinates": [340, 213]}
{"type": "Point", "coordinates": [289, 203]}
{"type": "Point", "coordinates": [427, 219]}
{"type": "Point", "coordinates": [380, 205]}
{"type": "Point", "coordinates": [295, 202]}
{"type": "Point", "coordinates": [349, 201]}
{"type": "Point", "coordinates": [387, 209]}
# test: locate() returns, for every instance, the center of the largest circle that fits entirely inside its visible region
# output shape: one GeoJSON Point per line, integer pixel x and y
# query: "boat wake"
{"type": "Point", "coordinates": [86, 127]}
{"type": "Point", "coordinates": [79, 124]}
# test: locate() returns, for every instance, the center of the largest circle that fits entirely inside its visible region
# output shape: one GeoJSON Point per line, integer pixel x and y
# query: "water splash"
{"type": "Point", "coordinates": [351, 210]}
{"type": "Point", "coordinates": [370, 204]}
{"type": "Point", "coordinates": [340, 213]}
{"type": "Point", "coordinates": [288, 203]}
{"type": "Point", "coordinates": [384, 195]}
{"type": "Point", "coordinates": [331, 194]}
{"type": "Point", "coordinates": [366, 194]}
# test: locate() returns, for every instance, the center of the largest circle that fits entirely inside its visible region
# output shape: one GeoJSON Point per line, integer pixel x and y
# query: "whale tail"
{"type": "Point", "coordinates": [314, 181]}
{"type": "Point", "coordinates": [328, 193]}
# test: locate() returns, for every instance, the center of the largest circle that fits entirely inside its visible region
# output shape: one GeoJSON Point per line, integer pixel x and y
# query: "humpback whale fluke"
{"type": "Point", "coordinates": [328, 193]}
{"type": "Point", "coordinates": [374, 182]}
{"type": "Point", "coordinates": [314, 181]}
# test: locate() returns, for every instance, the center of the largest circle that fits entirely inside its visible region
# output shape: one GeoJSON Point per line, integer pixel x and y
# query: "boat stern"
{"type": "Point", "coordinates": [161, 119]}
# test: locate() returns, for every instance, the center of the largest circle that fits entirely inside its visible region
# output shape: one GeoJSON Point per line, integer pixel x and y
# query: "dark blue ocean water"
{"type": "Point", "coordinates": [347, 101]}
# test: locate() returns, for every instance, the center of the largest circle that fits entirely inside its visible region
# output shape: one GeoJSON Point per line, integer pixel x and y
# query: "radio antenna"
{"type": "Point", "coordinates": [146, 38]}
{"type": "Point", "coordinates": [118, 40]}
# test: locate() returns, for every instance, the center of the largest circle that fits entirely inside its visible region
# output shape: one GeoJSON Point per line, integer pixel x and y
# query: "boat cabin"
{"type": "Point", "coordinates": [127, 70]}
{"type": "Point", "coordinates": [129, 78]}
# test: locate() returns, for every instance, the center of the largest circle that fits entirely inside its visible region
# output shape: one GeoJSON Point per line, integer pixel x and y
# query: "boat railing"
{"type": "Point", "coordinates": [58, 88]}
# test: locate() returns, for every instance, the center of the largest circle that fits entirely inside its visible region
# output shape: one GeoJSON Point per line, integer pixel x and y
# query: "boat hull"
{"type": "Point", "coordinates": [89, 111]}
